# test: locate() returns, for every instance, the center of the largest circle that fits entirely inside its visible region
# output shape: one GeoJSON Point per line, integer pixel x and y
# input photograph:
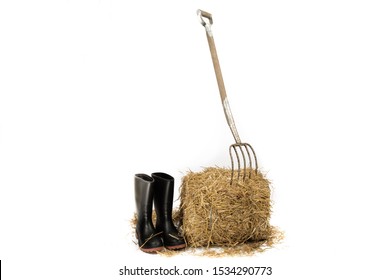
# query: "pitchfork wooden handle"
{"type": "Point", "coordinates": [218, 73]}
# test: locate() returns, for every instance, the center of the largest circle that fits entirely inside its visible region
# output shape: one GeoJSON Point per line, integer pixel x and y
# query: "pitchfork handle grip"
{"type": "Point", "coordinates": [206, 15]}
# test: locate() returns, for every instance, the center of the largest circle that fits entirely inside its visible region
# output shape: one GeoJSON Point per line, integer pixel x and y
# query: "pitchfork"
{"type": "Point", "coordinates": [239, 150]}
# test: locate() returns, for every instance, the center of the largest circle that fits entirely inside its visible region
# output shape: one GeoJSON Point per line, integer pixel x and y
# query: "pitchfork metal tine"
{"type": "Point", "coordinates": [232, 162]}
{"type": "Point", "coordinates": [243, 158]}
{"type": "Point", "coordinates": [250, 160]}
{"type": "Point", "coordinates": [254, 155]}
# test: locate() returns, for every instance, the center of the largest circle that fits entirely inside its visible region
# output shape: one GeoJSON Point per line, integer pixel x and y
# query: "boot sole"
{"type": "Point", "coordinates": [176, 247]}
{"type": "Point", "coordinates": [151, 250]}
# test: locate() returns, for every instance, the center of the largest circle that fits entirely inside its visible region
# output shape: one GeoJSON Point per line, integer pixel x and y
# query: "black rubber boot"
{"type": "Point", "coordinates": [149, 240]}
{"type": "Point", "coordinates": [163, 203]}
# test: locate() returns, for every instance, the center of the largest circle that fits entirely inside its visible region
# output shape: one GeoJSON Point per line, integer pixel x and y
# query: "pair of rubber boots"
{"type": "Point", "coordinates": [157, 188]}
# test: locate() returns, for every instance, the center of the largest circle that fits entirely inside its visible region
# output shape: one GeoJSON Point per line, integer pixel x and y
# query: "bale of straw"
{"type": "Point", "coordinates": [215, 212]}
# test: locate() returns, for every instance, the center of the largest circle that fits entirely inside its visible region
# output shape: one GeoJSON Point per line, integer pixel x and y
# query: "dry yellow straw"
{"type": "Point", "coordinates": [214, 212]}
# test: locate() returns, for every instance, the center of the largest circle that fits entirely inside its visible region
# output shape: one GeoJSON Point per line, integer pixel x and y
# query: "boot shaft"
{"type": "Point", "coordinates": [163, 194]}
{"type": "Point", "coordinates": [144, 193]}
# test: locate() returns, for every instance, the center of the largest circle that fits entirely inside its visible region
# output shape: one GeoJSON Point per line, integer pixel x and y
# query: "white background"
{"type": "Point", "coordinates": [92, 92]}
